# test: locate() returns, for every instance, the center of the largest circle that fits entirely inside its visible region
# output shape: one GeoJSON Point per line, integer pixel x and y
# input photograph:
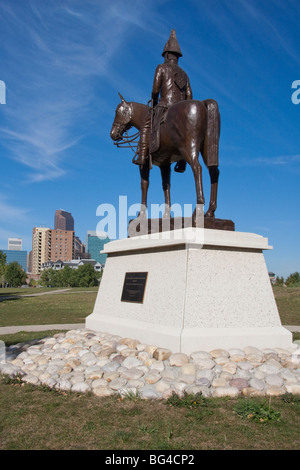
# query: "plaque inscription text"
{"type": "Point", "coordinates": [134, 287]}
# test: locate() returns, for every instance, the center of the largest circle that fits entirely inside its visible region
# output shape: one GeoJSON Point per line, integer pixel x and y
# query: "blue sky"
{"type": "Point", "coordinates": [63, 63]}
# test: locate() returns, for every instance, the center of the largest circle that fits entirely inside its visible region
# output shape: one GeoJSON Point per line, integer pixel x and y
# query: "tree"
{"type": "Point", "coordinates": [279, 281]}
{"type": "Point", "coordinates": [87, 276]}
{"type": "Point", "coordinates": [49, 278]}
{"type": "Point", "coordinates": [68, 277]}
{"type": "Point", "coordinates": [14, 275]}
{"type": "Point", "coordinates": [84, 276]}
{"type": "Point", "coordinates": [293, 279]}
{"type": "Point", "coordinates": [45, 278]}
{"type": "Point", "coordinates": [2, 267]}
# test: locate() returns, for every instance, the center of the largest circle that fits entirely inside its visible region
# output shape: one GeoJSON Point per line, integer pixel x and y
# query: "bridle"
{"type": "Point", "coordinates": [127, 141]}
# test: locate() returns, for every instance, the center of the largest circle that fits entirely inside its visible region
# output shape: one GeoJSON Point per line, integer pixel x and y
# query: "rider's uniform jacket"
{"type": "Point", "coordinates": [172, 83]}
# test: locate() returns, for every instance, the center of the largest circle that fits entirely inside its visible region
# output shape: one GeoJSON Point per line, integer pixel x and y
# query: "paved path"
{"type": "Point", "coordinates": [292, 328]}
{"type": "Point", "coordinates": [59, 291]}
{"type": "Point", "coordinates": [7, 330]}
{"type": "Point", "coordinates": [18, 296]}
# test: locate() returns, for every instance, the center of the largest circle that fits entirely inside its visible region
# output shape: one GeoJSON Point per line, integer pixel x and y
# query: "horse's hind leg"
{"type": "Point", "coordinates": [197, 171]}
{"type": "Point", "coordinates": [214, 178]}
{"type": "Point", "coordinates": [166, 176]}
{"type": "Point", "coordinates": [210, 151]}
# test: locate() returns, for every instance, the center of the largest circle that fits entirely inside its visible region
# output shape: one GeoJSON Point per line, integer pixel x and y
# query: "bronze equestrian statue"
{"type": "Point", "coordinates": [184, 127]}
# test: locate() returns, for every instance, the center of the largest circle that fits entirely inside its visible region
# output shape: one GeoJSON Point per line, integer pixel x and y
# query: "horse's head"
{"type": "Point", "coordinates": [122, 121]}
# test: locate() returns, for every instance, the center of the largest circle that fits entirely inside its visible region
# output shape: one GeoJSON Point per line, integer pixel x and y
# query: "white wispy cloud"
{"type": "Point", "coordinates": [59, 49]}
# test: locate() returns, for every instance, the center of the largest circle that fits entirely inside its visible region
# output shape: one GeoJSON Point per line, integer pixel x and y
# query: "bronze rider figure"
{"type": "Point", "coordinates": [170, 85]}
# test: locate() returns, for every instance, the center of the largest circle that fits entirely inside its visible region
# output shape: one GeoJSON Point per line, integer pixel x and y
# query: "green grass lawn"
{"type": "Point", "coordinates": [40, 418]}
{"type": "Point", "coordinates": [288, 303]}
{"type": "Point", "coordinates": [75, 304]}
{"type": "Point", "coordinates": [69, 307]}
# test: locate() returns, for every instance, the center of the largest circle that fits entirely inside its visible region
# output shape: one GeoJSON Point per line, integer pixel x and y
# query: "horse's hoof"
{"type": "Point", "coordinates": [143, 212]}
{"type": "Point", "coordinates": [198, 215]}
{"type": "Point", "coordinates": [210, 215]}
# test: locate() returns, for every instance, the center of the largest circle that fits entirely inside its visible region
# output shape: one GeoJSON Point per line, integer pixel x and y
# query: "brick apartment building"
{"type": "Point", "coordinates": [50, 245]}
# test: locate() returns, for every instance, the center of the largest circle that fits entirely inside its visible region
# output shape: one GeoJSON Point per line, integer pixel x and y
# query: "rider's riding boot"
{"type": "Point", "coordinates": [180, 166]}
{"type": "Point", "coordinates": [143, 154]}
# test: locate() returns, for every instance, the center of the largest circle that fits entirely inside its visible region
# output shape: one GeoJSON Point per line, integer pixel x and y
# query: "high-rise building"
{"type": "Point", "coordinates": [41, 247]}
{"type": "Point", "coordinates": [95, 242]}
{"type": "Point", "coordinates": [62, 245]}
{"type": "Point", "coordinates": [63, 220]}
{"type": "Point", "coordinates": [29, 261]}
{"type": "Point", "coordinates": [20, 256]}
{"type": "Point", "coordinates": [50, 245]}
{"type": "Point", "coordinates": [15, 244]}
{"type": "Point", "coordinates": [79, 247]}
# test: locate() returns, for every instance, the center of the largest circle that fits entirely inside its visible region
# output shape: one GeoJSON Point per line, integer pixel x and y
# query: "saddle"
{"type": "Point", "coordinates": [159, 116]}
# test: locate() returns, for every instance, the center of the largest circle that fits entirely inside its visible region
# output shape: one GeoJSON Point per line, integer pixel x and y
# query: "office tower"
{"type": "Point", "coordinates": [63, 220]}
{"type": "Point", "coordinates": [20, 256]}
{"type": "Point", "coordinates": [15, 244]}
{"type": "Point", "coordinates": [94, 244]}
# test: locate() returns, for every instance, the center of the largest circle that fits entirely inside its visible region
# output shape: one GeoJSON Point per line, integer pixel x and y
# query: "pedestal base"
{"type": "Point", "coordinates": [139, 227]}
{"type": "Point", "coordinates": [205, 289]}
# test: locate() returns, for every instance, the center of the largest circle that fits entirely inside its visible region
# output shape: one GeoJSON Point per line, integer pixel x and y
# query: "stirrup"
{"type": "Point", "coordinates": [138, 160]}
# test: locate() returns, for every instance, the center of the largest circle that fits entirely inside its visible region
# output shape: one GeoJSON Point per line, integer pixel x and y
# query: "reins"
{"type": "Point", "coordinates": [127, 140]}
{"type": "Point", "coordinates": [130, 141]}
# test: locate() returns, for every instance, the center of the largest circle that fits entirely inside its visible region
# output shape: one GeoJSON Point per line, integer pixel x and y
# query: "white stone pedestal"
{"type": "Point", "coordinates": [205, 289]}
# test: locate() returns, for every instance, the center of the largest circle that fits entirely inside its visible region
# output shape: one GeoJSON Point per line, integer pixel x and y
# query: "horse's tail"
{"type": "Point", "coordinates": [210, 151]}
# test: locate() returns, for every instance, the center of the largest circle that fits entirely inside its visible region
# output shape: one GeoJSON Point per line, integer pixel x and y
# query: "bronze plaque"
{"type": "Point", "coordinates": [134, 287]}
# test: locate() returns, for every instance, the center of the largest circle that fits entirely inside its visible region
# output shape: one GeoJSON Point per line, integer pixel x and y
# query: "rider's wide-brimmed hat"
{"type": "Point", "coordinates": [172, 44]}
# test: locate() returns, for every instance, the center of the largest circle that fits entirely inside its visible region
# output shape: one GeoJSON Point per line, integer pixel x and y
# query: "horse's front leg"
{"type": "Point", "coordinates": [144, 172]}
{"type": "Point", "coordinates": [214, 178]}
{"type": "Point", "coordinates": [166, 177]}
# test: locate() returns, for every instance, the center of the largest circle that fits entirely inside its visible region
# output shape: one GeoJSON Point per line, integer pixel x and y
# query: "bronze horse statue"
{"type": "Point", "coordinates": [189, 127]}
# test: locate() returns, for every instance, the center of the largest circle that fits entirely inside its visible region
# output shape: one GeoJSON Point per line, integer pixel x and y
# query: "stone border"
{"type": "Point", "coordinates": [82, 360]}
